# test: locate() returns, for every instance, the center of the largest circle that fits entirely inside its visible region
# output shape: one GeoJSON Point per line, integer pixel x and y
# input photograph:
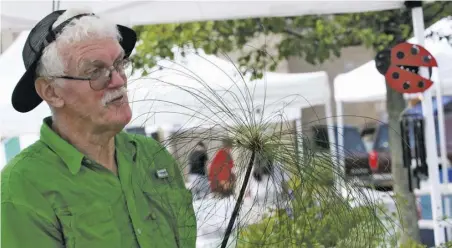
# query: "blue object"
{"type": "Point", "coordinates": [12, 148]}
{"type": "Point", "coordinates": [427, 237]}
{"type": "Point", "coordinates": [426, 204]}
{"type": "Point", "coordinates": [417, 109]}
{"type": "Point", "coordinates": [449, 175]}
{"type": "Point", "coordinates": [426, 207]}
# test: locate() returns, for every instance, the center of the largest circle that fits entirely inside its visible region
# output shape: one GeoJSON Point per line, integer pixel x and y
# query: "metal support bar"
{"type": "Point", "coordinates": [430, 139]}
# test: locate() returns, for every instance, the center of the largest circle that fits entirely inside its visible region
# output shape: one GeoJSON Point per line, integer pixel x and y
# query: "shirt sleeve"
{"type": "Point", "coordinates": [27, 218]}
{"type": "Point", "coordinates": [22, 227]}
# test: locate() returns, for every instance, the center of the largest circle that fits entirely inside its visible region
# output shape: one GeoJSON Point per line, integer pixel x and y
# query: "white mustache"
{"type": "Point", "coordinates": [110, 95]}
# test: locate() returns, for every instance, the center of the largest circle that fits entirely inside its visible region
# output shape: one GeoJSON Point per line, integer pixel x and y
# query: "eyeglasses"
{"type": "Point", "coordinates": [101, 77]}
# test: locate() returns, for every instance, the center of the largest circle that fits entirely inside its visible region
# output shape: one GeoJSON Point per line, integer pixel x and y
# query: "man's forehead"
{"type": "Point", "coordinates": [98, 50]}
{"type": "Point", "coordinates": [93, 58]}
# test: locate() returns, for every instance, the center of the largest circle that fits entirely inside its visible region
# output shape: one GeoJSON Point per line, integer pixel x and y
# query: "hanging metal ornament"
{"type": "Point", "coordinates": [400, 66]}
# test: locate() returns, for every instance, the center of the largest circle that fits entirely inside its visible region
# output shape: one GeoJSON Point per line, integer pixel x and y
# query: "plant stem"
{"type": "Point", "coordinates": [238, 204]}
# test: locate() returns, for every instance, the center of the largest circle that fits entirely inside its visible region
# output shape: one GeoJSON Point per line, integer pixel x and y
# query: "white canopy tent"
{"type": "Point", "coordinates": [23, 15]}
{"type": "Point", "coordinates": [12, 68]}
{"type": "Point", "coordinates": [213, 90]}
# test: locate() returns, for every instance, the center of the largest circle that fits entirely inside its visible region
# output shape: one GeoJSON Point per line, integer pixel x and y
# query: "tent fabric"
{"type": "Point", "coordinates": [204, 90]}
{"type": "Point", "coordinates": [365, 83]}
{"type": "Point", "coordinates": [194, 106]}
{"type": "Point", "coordinates": [22, 15]}
{"type": "Point", "coordinates": [12, 68]}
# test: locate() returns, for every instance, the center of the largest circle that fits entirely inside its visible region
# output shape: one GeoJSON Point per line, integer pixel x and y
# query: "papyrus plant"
{"type": "Point", "coordinates": [309, 209]}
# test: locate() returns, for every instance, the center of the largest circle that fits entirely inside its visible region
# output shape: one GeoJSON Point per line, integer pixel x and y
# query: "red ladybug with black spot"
{"type": "Point", "coordinates": [400, 66]}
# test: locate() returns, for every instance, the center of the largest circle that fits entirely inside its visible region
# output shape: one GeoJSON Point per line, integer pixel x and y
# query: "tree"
{"type": "Point", "coordinates": [313, 38]}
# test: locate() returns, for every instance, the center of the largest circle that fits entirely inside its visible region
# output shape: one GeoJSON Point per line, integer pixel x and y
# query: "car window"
{"type": "Point", "coordinates": [381, 143]}
{"type": "Point", "coordinates": [352, 139]}
{"type": "Point", "coordinates": [382, 138]}
{"type": "Point", "coordinates": [368, 141]}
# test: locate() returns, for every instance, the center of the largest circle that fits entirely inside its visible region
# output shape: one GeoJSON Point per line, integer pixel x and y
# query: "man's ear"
{"type": "Point", "coordinates": [46, 90]}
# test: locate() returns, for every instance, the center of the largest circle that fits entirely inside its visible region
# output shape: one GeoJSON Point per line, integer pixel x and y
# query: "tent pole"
{"type": "Point", "coordinates": [340, 149]}
{"type": "Point", "coordinates": [431, 148]}
{"type": "Point", "coordinates": [330, 128]}
{"type": "Point", "coordinates": [299, 135]}
{"type": "Point", "coordinates": [442, 146]}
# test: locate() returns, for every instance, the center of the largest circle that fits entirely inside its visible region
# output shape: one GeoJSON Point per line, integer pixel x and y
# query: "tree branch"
{"type": "Point", "coordinates": [293, 33]}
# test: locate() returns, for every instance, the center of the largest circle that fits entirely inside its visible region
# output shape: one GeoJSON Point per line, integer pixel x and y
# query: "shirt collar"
{"type": "Point", "coordinates": [71, 156]}
{"type": "Point", "coordinates": [68, 153]}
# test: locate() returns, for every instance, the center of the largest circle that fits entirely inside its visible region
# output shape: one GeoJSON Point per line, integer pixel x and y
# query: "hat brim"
{"type": "Point", "coordinates": [129, 39]}
{"type": "Point", "coordinates": [25, 98]}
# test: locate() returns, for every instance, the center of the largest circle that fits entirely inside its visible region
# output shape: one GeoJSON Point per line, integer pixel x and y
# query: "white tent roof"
{"type": "Point", "coordinates": [365, 83]}
{"type": "Point", "coordinates": [11, 70]}
{"type": "Point", "coordinates": [23, 15]}
{"type": "Point", "coordinates": [212, 84]}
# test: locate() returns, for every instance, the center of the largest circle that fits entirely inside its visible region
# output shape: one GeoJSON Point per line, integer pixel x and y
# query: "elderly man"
{"type": "Point", "coordinates": [86, 183]}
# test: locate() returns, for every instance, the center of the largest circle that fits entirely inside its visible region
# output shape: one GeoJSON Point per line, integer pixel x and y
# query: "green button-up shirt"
{"type": "Point", "coordinates": [54, 196]}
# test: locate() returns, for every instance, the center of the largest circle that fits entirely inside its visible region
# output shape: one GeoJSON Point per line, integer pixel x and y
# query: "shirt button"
{"type": "Point", "coordinates": [139, 231]}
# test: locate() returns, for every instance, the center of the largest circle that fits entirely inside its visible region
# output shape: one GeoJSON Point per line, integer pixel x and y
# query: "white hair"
{"type": "Point", "coordinates": [85, 28]}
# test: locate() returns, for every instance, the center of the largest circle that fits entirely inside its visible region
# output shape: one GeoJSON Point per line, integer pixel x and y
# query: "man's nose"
{"type": "Point", "coordinates": [117, 80]}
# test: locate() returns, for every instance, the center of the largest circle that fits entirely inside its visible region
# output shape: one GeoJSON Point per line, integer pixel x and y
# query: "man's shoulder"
{"type": "Point", "coordinates": [26, 160]}
{"type": "Point", "coordinates": [28, 166]}
{"type": "Point", "coordinates": [19, 170]}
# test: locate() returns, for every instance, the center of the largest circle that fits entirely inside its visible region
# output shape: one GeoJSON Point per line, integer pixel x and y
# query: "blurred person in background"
{"type": "Point", "coordinates": [221, 176]}
{"type": "Point", "coordinates": [269, 181]}
{"type": "Point", "coordinates": [197, 175]}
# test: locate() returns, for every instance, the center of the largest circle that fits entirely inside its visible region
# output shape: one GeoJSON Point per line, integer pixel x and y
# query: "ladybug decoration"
{"type": "Point", "coordinates": [400, 66]}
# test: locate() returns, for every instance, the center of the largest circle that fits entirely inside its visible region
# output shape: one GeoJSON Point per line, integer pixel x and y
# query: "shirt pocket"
{"type": "Point", "coordinates": [172, 208]}
{"type": "Point", "coordinates": [90, 227]}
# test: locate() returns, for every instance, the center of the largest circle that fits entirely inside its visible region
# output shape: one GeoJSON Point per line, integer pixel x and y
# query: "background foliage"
{"type": "Point", "coordinates": [313, 38]}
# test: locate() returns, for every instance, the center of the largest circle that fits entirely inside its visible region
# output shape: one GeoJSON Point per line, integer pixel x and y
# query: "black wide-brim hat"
{"type": "Point", "coordinates": [25, 98]}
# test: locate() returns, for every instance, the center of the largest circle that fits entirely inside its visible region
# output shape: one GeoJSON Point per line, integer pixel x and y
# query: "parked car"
{"type": "Point", "coordinates": [356, 156]}
{"type": "Point", "coordinates": [380, 156]}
